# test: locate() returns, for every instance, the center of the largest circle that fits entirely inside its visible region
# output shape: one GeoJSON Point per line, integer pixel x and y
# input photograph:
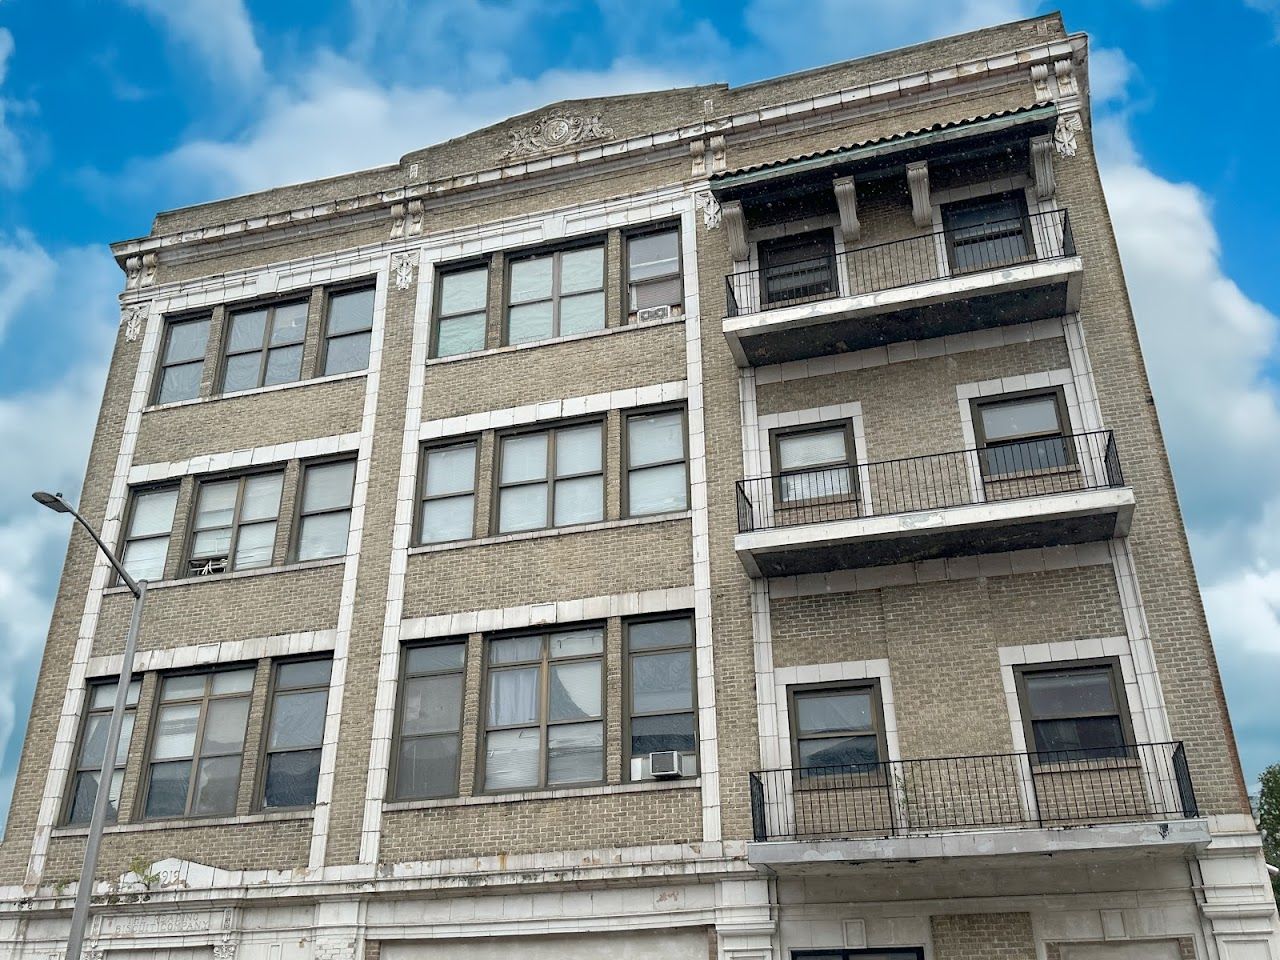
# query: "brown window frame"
{"type": "Point", "coordinates": [437, 308]}
{"type": "Point", "coordinates": [1064, 432]}
{"type": "Point", "coordinates": [767, 248]}
{"type": "Point", "coordinates": [542, 724]}
{"type": "Point", "coordinates": [850, 462]}
{"type": "Point", "coordinates": [236, 523]}
{"type": "Point", "coordinates": [169, 324]}
{"type": "Point", "coordinates": [127, 526]}
{"type": "Point", "coordinates": [1090, 665]}
{"type": "Point", "coordinates": [300, 515]}
{"type": "Point", "coordinates": [79, 769]}
{"type": "Point", "coordinates": [421, 498]}
{"type": "Point", "coordinates": [550, 478]}
{"type": "Point", "coordinates": [878, 725]}
{"type": "Point", "coordinates": [144, 794]}
{"type": "Point", "coordinates": [265, 753]}
{"type": "Point", "coordinates": [627, 469]}
{"type": "Point", "coordinates": [394, 792]}
{"type": "Point", "coordinates": [1018, 198]}
{"type": "Point", "coordinates": [639, 233]}
{"type": "Point", "coordinates": [264, 348]}
{"type": "Point", "coordinates": [370, 284]}
{"type": "Point", "coordinates": [628, 706]}
{"type": "Point", "coordinates": [556, 253]}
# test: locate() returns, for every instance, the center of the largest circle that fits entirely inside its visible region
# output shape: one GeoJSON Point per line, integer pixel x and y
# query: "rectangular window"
{"type": "Point", "coordinates": [798, 267]}
{"type": "Point", "coordinates": [234, 527]}
{"type": "Point", "coordinates": [544, 710]}
{"type": "Point", "coordinates": [657, 472]}
{"type": "Point", "coordinates": [552, 478]}
{"type": "Point", "coordinates": [429, 721]}
{"type": "Point", "coordinates": [182, 362]}
{"type": "Point", "coordinates": [653, 271]}
{"type": "Point", "coordinates": [1023, 432]}
{"type": "Point", "coordinates": [324, 518]}
{"type": "Point", "coordinates": [264, 346]}
{"type": "Point", "coordinates": [837, 729]}
{"type": "Point", "coordinates": [1074, 712]}
{"type": "Point", "coordinates": [99, 700]}
{"type": "Point", "coordinates": [661, 705]}
{"type": "Point", "coordinates": [448, 493]}
{"type": "Point", "coordinates": [146, 544]}
{"type": "Point", "coordinates": [461, 306]}
{"type": "Point", "coordinates": [295, 732]}
{"type": "Point", "coordinates": [348, 331]}
{"type": "Point", "coordinates": [197, 744]}
{"type": "Point", "coordinates": [814, 463]}
{"type": "Point", "coordinates": [556, 294]}
{"type": "Point", "coordinates": [987, 232]}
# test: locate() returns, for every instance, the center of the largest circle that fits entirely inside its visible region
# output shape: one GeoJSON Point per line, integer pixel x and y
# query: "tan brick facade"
{"type": "Point", "coordinates": [363, 873]}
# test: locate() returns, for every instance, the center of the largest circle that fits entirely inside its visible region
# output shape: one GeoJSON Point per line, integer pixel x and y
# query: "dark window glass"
{"type": "Point", "coordinates": [837, 728]}
{"type": "Point", "coordinates": [197, 744]}
{"type": "Point", "coordinates": [986, 232]}
{"type": "Point", "coordinates": [1023, 433]}
{"type": "Point", "coordinates": [430, 721]}
{"type": "Point", "coordinates": [183, 360]}
{"type": "Point", "coordinates": [348, 330]}
{"type": "Point", "coordinates": [661, 682]}
{"type": "Point", "coordinates": [100, 698]}
{"type": "Point", "coordinates": [295, 732]}
{"type": "Point", "coordinates": [797, 267]}
{"type": "Point", "coordinates": [1074, 712]}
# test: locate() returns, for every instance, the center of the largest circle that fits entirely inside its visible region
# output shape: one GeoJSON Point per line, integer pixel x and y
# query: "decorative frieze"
{"type": "Point", "coordinates": [556, 131]}
{"type": "Point", "coordinates": [403, 267]}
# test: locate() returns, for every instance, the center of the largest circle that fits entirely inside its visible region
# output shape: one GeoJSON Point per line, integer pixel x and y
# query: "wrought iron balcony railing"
{"type": "Point", "coordinates": [1032, 468]}
{"type": "Point", "coordinates": [901, 263]}
{"type": "Point", "coordinates": [1078, 787]}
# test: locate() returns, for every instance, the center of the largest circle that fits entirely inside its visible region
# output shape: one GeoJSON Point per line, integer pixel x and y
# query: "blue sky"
{"type": "Point", "coordinates": [122, 108]}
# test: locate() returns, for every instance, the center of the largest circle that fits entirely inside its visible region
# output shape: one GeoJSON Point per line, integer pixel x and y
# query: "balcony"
{"type": "Point", "coordinates": [952, 281]}
{"type": "Point", "coordinates": [1041, 493]}
{"type": "Point", "coordinates": [1069, 801]}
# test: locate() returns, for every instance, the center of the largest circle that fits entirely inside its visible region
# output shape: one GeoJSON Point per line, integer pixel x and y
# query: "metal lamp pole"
{"type": "Point", "coordinates": [80, 913]}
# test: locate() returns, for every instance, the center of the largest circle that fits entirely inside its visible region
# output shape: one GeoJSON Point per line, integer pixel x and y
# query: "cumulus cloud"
{"type": "Point", "coordinates": [218, 32]}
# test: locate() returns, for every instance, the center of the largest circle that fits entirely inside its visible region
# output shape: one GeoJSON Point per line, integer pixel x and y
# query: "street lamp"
{"type": "Point", "coordinates": [80, 913]}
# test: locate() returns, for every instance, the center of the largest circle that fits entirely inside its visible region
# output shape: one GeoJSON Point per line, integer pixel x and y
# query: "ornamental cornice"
{"type": "Point", "coordinates": [589, 146]}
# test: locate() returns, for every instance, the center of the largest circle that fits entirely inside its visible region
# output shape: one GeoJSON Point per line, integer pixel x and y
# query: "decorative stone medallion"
{"type": "Point", "coordinates": [1064, 135]}
{"type": "Point", "coordinates": [554, 132]}
{"type": "Point", "coordinates": [402, 268]}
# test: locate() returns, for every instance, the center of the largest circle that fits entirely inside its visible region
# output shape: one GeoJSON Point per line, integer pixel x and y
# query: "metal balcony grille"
{"type": "Point", "coordinates": [901, 263]}
{"type": "Point", "coordinates": [1083, 787]}
{"type": "Point", "coordinates": [1082, 461]}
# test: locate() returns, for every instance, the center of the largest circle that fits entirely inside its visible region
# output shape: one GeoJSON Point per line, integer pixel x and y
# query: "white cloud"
{"type": "Point", "coordinates": [1110, 73]}
{"type": "Point", "coordinates": [13, 162]}
{"type": "Point", "coordinates": [218, 32]}
{"type": "Point", "coordinates": [25, 269]}
{"type": "Point", "coordinates": [1269, 7]}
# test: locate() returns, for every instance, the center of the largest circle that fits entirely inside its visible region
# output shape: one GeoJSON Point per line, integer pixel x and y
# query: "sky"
{"type": "Point", "coordinates": [128, 107]}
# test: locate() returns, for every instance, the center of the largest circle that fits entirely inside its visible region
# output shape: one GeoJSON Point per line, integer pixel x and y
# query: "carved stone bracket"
{"type": "Point", "coordinates": [1064, 134]}
{"type": "Point", "coordinates": [134, 318]}
{"type": "Point", "coordinates": [406, 219]}
{"type": "Point", "coordinates": [698, 158]}
{"type": "Point", "coordinates": [554, 132]}
{"type": "Point", "coordinates": [1042, 166]}
{"type": "Point", "coordinates": [847, 201]}
{"type": "Point", "coordinates": [719, 154]}
{"type": "Point", "coordinates": [403, 266]}
{"type": "Point", "coordinates": [710, 206]}
{"type": "Point", "coordinates": [1040, 81]}
{"type": "Point", "coordinates": [1065, 73]}
{"type": "Point", "coordinates": [918, 181]}
{"type": "Point", "coordinates": [140, 271]}
{"type": "Point", "coordinates": [735, 226]}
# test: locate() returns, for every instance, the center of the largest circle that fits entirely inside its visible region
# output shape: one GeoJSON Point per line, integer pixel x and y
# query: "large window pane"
{"type": "Point", "coordinates": [290, 324]}
{"type": "Point", "coordinates": [529, 322]}
{"type": "Point", "coordinates": [224, 726]}
{"type": "Point", "coordinates": [524, 458]}
{"type": "Point", "coordinates": [465, 291]}
{"type": "Point", "coordinates": [581, 313]}
{"type": "Point", "coordinates": [144, 559]}
{"type": "Point", "coordinates": [814, 448]}
{"type": "Point", "coordinates": [842, 711]}
{"type": "Point", "coordinates": [661, 682]}
{"type": "Point", "coordinates": [650, 634]}
{"type": "Point", "coordinates": [578, 450]}
{"type": "Point", "coordinates": [284, 365]}
{"type": "Point", "coordinates": [1055, 694]}
{"type": "Point", "coordinates": [462, 334]}
{"type": "Point", "coordinates": [167, 791]}
{"type": "Point", "coordinates": [296, 732]}
{"type": "Point", "coordinates": [291, 779]}
{"type": "Point", "coordinates": [214, 790]}
{"type": "Point", "coordinates": [427, 767]}
{"type": "Point", "coordinates": [175, 734]}
{"type": "Point", "coordinates": [448, 519]}
{"type": "Point", "coordinates": [247, 331]}
{"type": "Point", "coordinates": [350, 311]}
{"type": "Point", "coordinates": [655, 438]}
{"type": "Point", "coordinates": [657, 478]}
{"type": "Point", "coordinates": [241, 372]}
{"type": "Point", "coordinates": [531, 279]}
{"type": "Point", "coordinates": [575, 753]}
{"type": "Point", "coordinates": [579, 501]}
{"type": "Point", "coordinates": [581, 270]}
{"type": "Point", "coordinates": [187, 341]}
{"type": "Point", "coordinates": [511, 759]}
{"type": "Point", "coordinates": [324, 535]}
{"type": "Point", "coordinates": [522, 508]}
{"type": "Point", "coordinates": [655, 734]}
{"type": "Point", "coordinates": [575, 692]}
{"type": "Point", "coordinates": [654, 255]}
{"type": "Point", "coordinates": [658, 490]}
{"type": "Point", "coordinates": [513, 696]}
{"type": "Point", "coordinates": [839, 751]}
{"type": "Point", "coordinates": [297, 719]}
{"type": "Point", "coordinates": [431, 705]}
{"type": "Point", "coordinates": [180, 382]}
{"type": "Point", "coordinates": [450, 470]}
{"type": "Point", "coordinates": [1018, 418]}
{"type": "Point", "coordinates": [435, 657]}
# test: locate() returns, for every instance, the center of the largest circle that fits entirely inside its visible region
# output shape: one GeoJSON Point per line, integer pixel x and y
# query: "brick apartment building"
{"type": "Point", "coordinates": [713, 523]}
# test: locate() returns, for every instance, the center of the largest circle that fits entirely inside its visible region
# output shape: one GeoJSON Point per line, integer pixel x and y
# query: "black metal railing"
{"type": "Point", "coordinates": [900, 263]}
{"type": "Point", "coordinates": [1009, 471]}
{"type": "Point", "coordinates": [1064, 788]}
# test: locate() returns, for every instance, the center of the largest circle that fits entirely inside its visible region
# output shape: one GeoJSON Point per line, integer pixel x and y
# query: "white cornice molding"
{"type": "Point", "coordinates": [375, 205]}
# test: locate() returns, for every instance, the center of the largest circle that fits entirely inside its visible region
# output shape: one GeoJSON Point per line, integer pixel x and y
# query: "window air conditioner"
{"type": "Point", "coordinates": [665, 765]}
{"type": "Point", "coordinates": [653, 313]}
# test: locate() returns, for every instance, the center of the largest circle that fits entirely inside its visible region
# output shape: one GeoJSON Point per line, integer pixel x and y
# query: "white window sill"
{"type": "Point", "coordinates": [549, 532]}
{"type": "Point", "coordinates": [232, 575]}
{"type": "Point", "coordinates": [187, 823]}
{"type": "Point", "coordinates": [274, 388]}
{"type": "Point", "coordinates": [533, 345]}
{"type": "Point", "coordinates": [601, 790]}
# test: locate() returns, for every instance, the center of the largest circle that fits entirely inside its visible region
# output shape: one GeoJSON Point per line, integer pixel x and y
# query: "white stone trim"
{"type": "Point", "coordinates": [273, 388]}
{"type": "Point", "coordinates": [932, 571]}
{"type": "Point", "coordinates": [550, 410]}
{"type": "Point", "coordinates": [347, 599]}
{"type": "Point", "coordinates": [910, 350]}
{"type": "Point", "coordinates": [231, 575]}
{"type": "Point", "coordinates": [849, 670]}
{"type": "Point", "coordinates": [252, 457]}
{"type": "Point", "coordinates": [549, 532]}
{"type": "Point", "coordinates": [224, 651]}
{"type": "Point", "coordinates": [603, 790]}
{"type": "Point", "coordinates": [851, 411]}
{"type": "Point", "coordinates": [544, 614]}
{"type": "Point", "coordinates": [552, 341]}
